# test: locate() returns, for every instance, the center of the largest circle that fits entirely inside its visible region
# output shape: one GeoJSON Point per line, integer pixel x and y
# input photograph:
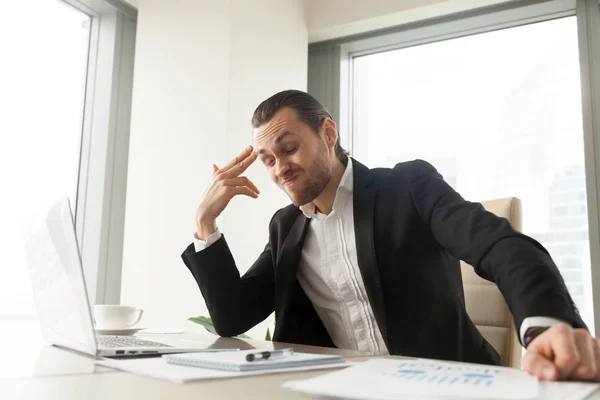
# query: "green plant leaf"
{"type": "Point", "coordinates": [207, 323]}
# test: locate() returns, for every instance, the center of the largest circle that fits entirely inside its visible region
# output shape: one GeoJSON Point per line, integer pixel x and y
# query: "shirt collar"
{"type": "Point", "coordinates": [344, 190]}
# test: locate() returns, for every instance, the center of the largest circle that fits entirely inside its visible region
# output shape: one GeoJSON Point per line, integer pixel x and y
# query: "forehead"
{"type": "Point", "coordinates": [285, 120]}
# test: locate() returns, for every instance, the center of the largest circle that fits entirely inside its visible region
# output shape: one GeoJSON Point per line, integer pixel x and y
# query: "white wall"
{"type": "Point", "coordinates": [337, 18]}
{"type": "Point", "coordinates": [201, 68]}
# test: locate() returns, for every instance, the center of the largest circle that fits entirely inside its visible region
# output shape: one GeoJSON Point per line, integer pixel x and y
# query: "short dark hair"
{"type": "Point", "coordinates": [308, 109]}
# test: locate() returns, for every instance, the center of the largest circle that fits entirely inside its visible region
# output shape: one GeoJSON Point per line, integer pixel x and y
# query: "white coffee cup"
{"type": "Point", "coordinates": [117, 316]}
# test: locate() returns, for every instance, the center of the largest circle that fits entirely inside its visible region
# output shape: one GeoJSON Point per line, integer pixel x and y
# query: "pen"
{"type": "Point", "coordinates": [265, 355]}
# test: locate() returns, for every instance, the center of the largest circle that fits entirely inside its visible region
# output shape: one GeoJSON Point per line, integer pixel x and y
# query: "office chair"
{"type": "Point", "coordinates": [485, 304]}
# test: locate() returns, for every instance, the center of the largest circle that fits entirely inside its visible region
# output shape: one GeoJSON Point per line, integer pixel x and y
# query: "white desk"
{"type": "Point", "coordinates": [50, 373]}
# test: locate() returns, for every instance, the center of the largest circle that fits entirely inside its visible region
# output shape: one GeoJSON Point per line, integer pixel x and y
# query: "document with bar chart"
{"type": "Point", "coordinates": [427, 373]}
{"type": "Point", "coordinates": [398, 379]}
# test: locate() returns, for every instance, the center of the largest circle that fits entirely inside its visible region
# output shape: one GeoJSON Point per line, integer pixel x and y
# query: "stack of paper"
{"type": "Point", "coordinates": [397, 379]}
{"type": "Point", "coordinates": [160, 369]}
{"type": "Point", "coordinates": [236, 360]}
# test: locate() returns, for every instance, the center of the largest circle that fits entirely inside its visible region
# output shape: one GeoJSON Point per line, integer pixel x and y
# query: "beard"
{"type": "Point", "coordinates": [313, 181]}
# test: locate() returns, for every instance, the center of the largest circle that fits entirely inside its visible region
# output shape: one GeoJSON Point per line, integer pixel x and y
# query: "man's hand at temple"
{"type": "Point", "coordinates": [226, 183]}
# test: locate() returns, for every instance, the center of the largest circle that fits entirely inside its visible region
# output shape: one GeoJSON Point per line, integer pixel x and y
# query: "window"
{"type": "Point", "coordinates": [498, 114]}
{"type": "Point", "coordinates": [66, 96]}
{"type": "Point", "coordinates": [43, 87]}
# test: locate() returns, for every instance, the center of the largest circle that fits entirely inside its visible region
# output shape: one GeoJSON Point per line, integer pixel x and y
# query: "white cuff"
{"type": "Point", "coordinates": [541, 322]}
{"type": "Point", "coordinates": [200, 245]}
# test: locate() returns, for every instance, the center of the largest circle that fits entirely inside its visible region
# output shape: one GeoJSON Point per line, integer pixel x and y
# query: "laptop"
{"type": "Point", "coordinates": [61, 298]}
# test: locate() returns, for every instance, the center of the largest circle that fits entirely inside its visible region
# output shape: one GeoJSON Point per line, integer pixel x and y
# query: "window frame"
{"type": "Point", "coordinates": [101, 187]}
{"type": "Point", "coordinates": [330, 72]}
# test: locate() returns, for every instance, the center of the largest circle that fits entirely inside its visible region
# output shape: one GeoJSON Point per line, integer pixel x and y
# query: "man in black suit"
{"type": "Point", "coordinates": [368, 259]}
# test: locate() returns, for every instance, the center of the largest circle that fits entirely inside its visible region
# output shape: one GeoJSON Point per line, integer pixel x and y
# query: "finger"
{"type": "Point", "coordinates": [215, 168]}
{"type": "Point", "coordinates": [253, 186]}
{"type": "Point", "coordinates": [240, 167]}
{"type": "Point", "coordinates": [244, 190]}
{"type": "Point", "coordinates": [596, 346]}
{"type": "Point", "coordinates": [536, 364]}
{"type": "Point", "coordinates": [561, 341]}
{"type": "Point", "coordinates": [586, 344]}
{"type": "Point", "coordinates": [245, 153]}
{"type": "Point", "coordinates": [241, 181]}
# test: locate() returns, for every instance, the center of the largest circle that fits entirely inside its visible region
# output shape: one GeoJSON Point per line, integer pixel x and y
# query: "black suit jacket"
{"type": "Point", "coordinates": [411, 231]}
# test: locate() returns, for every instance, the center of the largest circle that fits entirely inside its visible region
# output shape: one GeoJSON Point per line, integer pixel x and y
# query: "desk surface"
{"type": "Point", "coordinates": [120, 385]}
{"type": "Point", "coordinates": [50, 373]}
{"type": "Point", "coordinates": [25, 355]}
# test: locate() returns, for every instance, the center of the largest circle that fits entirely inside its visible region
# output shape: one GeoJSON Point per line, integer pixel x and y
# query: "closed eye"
{"type": "Point", "coordinates": [269, 162]}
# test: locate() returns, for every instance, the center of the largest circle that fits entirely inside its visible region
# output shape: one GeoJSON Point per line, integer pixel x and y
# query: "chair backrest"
{"type": "Point", "coordinates": [485, 304]}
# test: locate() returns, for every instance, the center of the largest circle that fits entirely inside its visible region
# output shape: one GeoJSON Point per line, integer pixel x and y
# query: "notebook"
{"type": "Point", "coordinates": [236, 361]}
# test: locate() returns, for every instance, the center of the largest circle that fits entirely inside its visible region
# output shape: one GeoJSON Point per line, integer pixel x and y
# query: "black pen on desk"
{"type": "Point", "coordinates": [266, 355]}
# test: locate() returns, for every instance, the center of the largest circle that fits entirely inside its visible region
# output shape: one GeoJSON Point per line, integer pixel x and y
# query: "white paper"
{"type": "Point", "coordinates": [566, 390]}
{"type": "Point", "coordinates": [383, 379]}
{"type": "Point", "coordinates": [159, 368]}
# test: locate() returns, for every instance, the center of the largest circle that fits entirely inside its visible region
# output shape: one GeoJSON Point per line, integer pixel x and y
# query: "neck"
{"type": "Point", "coordinates": [324, 202]}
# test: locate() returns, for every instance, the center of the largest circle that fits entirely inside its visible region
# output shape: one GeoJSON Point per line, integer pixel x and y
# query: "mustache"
{"type": "Point", "coordinates": [289, 175]}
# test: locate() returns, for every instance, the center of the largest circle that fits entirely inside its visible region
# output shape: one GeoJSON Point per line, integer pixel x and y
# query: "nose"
{"type": "Point", "coordinates": [282, 168]}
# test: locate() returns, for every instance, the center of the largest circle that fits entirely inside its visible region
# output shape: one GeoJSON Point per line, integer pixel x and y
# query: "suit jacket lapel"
{"type": "Point", "coordinates": [364, 208]}
{"type": "Point", "coordinates": [288, 260]}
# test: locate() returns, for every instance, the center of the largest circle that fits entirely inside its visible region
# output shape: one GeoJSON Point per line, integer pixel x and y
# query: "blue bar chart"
{"type": "Point", "coordinates": [393, 379]}
{"type": "Point", "coordinates": [446, 374]}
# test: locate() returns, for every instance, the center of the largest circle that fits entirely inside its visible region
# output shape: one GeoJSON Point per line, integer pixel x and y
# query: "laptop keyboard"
{"type": "Point", "coordinates": [113, 341]}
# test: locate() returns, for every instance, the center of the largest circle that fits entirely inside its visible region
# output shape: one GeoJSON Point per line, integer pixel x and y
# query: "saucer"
{"type": "Point", "coordinates": [116, 331]}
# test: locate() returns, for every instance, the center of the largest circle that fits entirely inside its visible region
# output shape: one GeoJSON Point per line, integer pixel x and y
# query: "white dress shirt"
{"type": "Point", "coordinates": [329, 275]}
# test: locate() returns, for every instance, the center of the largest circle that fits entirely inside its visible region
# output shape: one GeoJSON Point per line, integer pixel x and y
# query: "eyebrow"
{"type": "Point", "coordinates": [282, 135]}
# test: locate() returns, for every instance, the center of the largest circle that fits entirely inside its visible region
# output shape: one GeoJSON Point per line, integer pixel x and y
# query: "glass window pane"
{"type": "Point", "coordinates": [499, 115]}
{"type": "Point", "coordinates": [46, 43]}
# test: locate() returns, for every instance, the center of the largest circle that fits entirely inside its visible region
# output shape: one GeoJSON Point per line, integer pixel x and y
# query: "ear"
{"type": "Point", "coordinates": [330, 133]}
